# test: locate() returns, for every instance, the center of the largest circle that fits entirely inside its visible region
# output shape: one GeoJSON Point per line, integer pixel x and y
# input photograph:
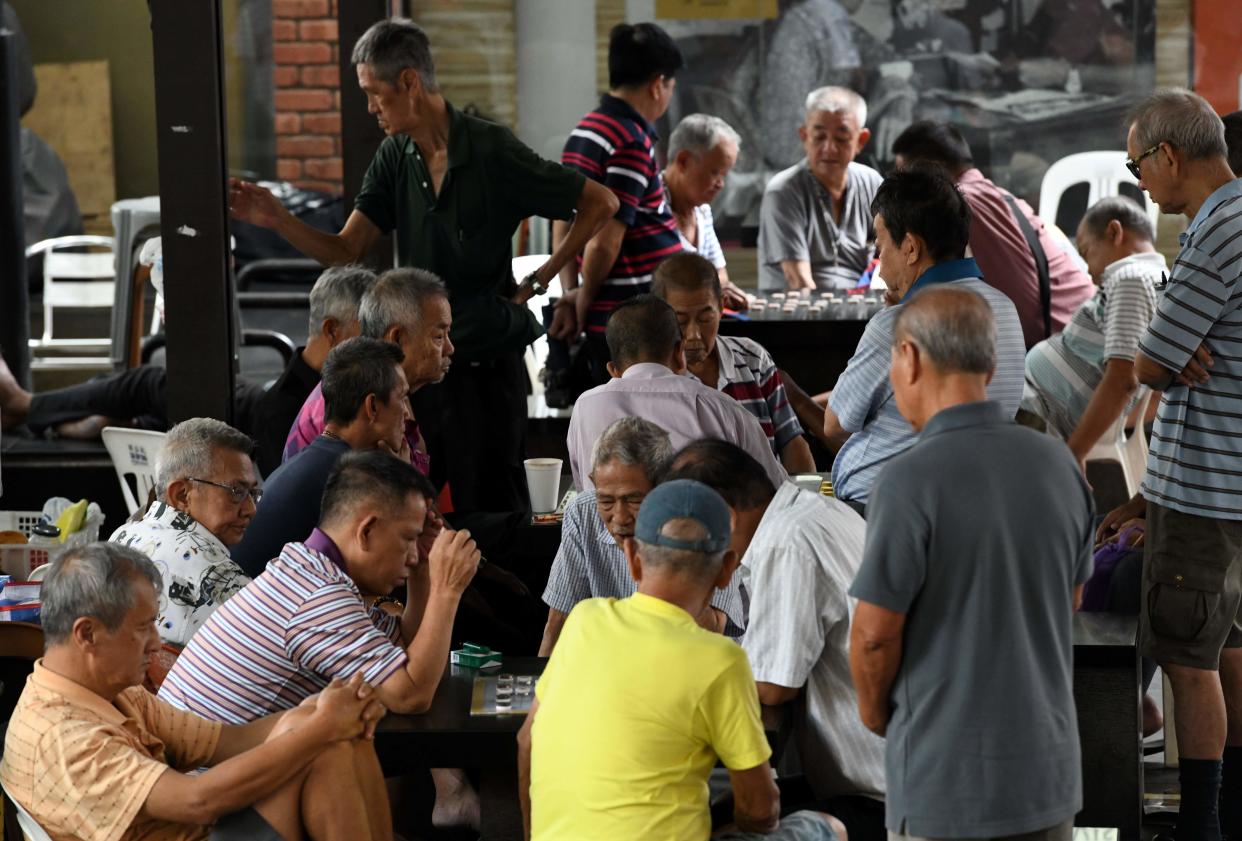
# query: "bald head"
{"type": "Point", "coordinates": [953, 329]}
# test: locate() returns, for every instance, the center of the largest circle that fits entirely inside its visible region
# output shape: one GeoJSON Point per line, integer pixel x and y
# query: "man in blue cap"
{"type": "Point", "coordinates": [638, 702]}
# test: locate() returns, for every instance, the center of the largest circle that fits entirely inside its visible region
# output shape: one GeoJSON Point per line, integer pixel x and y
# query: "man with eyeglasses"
{"type": "Point", "coordinates": [206, 493]}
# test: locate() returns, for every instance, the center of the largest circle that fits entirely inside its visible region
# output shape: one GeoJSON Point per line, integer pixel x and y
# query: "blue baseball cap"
{"type": "Point", "coordinates": [684, 499]}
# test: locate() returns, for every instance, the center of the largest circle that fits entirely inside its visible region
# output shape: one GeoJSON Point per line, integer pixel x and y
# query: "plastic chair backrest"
{"type": "Point", "coordinates": [30, 827]}
{"type": "Point", "coordinates": [133, 453]}
{"type": "Point", "coordinates": [75, 278]}
{"type": "Point", "coordinates": [1128, 451]}
{"type": "Point", "coordinates": [1104, 173]}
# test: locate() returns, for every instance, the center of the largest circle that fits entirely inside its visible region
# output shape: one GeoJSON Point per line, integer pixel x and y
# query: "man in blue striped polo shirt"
{"type": "Point", "coordinates": [1191, 623]}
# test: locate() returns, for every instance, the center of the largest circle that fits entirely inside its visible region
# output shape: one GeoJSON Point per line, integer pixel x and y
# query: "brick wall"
{"type": "Point", "coordinates": [306, 77]}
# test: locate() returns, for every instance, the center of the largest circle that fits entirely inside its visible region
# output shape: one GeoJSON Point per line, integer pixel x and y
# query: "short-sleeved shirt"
{"type": "Point", "coordinates": [749, 375]}
{"type": "Point", "coordinates": [289, 510]}
{"type": "Point", "coordinates": [310, 424]}
{"type": "Point", "coordinates": [796, 223]}
{"type": "Point", "coordinates": [199, 574]}
{"type": "Point", "coordinates": [464, 234]}
{"type": "Point", "coordinates": [1003, 253]}
{"type": "Point", "coordinates": [979, 534]}
{"type": "Point", "coordinates": [682, 406]}
{"type": "Point", "coordinates": [1195, 457]}
{"type": "Point", "coordinates": [1062, 372]}
{"type": "Point", "coordinates": [285, 637]}
{"type": "Point", "coordinates": [708, 246]}
{"type": "Point", "coordinates": [615, 145]}
{"type": "Point", "coordinates": [797, 571]}
{"type": "Point", "coordinates": [589, 564]}
{"type": "Point", "coordinates": [635, 706]}
{"type": "Point", "coordinates": [83, 767]}
{"type": "Point", "coordinates": [863, 397]}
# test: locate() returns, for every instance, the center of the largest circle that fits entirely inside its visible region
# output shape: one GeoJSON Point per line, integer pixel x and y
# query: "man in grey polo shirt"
{"type": "Point", "coordinates": [978, 545]}
{"type": "Point", "coordinates": [815, 220]}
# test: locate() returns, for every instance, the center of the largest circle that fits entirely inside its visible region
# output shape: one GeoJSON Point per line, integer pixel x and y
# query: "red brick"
{"type": "Point", "coordinates": [288, 170]}
{"type": "Point", "coordinates": [288, 124]}
{"type": "Point", "coordinates": [333, 187]}
{"type": "Point", "coordinates": [300, 8]}
{"type": "Point", "coordinates": [296, 53]}
{"type": "Point", "coordinates": [304, 100]}
{"type": "Point", "coordinates": [321, 76]}
{"type": "Point", "coordinates": [284, 30]}
{"type": "Point", "coordinates": [285, 77]}
{"type": "Point", "coordinates": [304, 147]}
{"type": "Point", "coordinates": [322, 124]}
{"type": "Point", "coordinates": [318, 30]}
{"type": "Point", "coordinates": [327, 169]}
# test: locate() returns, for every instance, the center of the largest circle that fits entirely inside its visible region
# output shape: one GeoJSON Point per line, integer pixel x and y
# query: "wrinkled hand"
{"type": "Point", "coordinates": [340, 707]}
{"type": "Point", "coordinates": [1196, 373]}
{"type": "Point", "coordinates": [254, 204]}
{"type": "Point", "coordinates": [733, 297]}
{"type": "Point", "coordinates": [372, 713]}
{"type": "Point", "coordinates": [433, 524]}
{"type": "Point", "coordinates": [1119, 517]}
{"type": "Point", "coordinates": [565, 326]}
{"type": "Point", "coordinates": [452, 562]}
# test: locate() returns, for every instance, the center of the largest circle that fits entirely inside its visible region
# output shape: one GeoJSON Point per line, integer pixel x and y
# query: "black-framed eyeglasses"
{"type": "Point", "coordinates": [236, 492]}
{"type": "Point", "coordinates": [1133, 165]}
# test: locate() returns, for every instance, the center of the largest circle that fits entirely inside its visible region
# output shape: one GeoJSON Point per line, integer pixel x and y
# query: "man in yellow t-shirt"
{"type": "Point", "coordinates": [638, 702]}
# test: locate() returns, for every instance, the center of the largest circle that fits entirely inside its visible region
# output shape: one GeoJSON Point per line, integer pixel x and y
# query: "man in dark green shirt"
{"type": "Point", "coordinates": [453, 188]}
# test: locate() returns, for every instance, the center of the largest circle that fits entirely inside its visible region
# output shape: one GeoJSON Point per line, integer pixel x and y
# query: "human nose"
{"type": "Point", "coordinates": [448, 346]}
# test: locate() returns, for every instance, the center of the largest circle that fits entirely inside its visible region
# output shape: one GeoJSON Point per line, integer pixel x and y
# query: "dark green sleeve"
{"type": "Point", "coordinates": [377, 198]}
{"type": "Point", "coordinates": [532, 185]}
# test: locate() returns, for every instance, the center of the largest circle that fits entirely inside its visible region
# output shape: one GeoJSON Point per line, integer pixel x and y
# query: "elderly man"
{"type": "Point", "coordinates": [1016, 251]}
{"type": "Point", "coordinates": [136, 397]}
{"type": "Point", "coordinates": [738, 366]}
{"type": "Point", "coordinates": [459, 226]}
{"type": "Point", "coordinates": [647, 352]}
{"type": "Point", "coordinates": [364, 399]}
{"type": "Point", "coordinates": [593, 762]}
{"type": "Point", "coordinates": [815, 226]}
{"type": "Point", "coordinates": [590, 563]}
{"type": "Point", "coordinates": [90, 754]}
{"type": "Point", "coordinates": [1082, 379]}
{"type": "Point", "coordinates": [701, 152]}
{"type": "Point", "coordinates": [921, 226]}
{"type": "Point", "coordinates": [206, 492]}
{"type": "Point", "coordinates": [793, 543]}
{"type": "Point", "coordinates": [978, 542]}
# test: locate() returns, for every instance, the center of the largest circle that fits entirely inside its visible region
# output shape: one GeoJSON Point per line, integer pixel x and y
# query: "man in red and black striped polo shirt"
{"type": "Point", "coordinates": [615, 145]}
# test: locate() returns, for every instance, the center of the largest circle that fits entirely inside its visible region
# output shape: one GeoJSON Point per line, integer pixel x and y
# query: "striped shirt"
{"type": "Point", "coordinates": [1063, 372]}
{"type": "Point", "coordinates": [283, 638]}
{"type": "Point", "coordinates": [615, 145]}
{"type": "Point", "coordinates": [589, 564]}
{"type": "Point", "coordinates": [1195, 461]}
{"type": "Point", "coordinates": [863, 397]}
{"type": "Point", "coordinates": [749, 376]}
{"type": "Point", "coordinates": [797, 572]}
{"type": "Point", "coordinates": [709, 245]}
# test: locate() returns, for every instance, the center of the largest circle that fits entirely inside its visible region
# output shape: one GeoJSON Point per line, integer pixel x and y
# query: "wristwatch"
{"type": "Point", "coordinates": [533, 280]}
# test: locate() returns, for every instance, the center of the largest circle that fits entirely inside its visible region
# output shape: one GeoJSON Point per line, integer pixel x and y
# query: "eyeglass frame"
{"type": "Point", "coordinates": [237, 494]}
{"type": "Point", "coordinates": [1133, 164]}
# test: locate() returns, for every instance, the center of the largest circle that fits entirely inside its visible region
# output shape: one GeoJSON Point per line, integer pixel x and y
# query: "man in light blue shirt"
{"type": "Point", "coordinates": [922, 225]}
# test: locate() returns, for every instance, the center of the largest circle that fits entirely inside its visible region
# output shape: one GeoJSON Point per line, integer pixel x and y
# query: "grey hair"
{"type": "Point", "coordinates": [1182, 119]}
{"type": "Point", "coordinates": [689, 563]}
{"type": "Point", "coordinates": [634, 441]}
{"type": "Point", "coordinates": [1122, 209]}
{"type": "Point", "coordinates": [391, 46]}
{"type": "Point", "coordinates": [95, 579]}
{"type": "Point", "coordinates": [699, 134]}
{"type": "Point", "coordinates": [953, 327]}
{"type": "Point", "coordinates": [190, 450]}
{"type": "Point", "coordinates": [837, 100]}
{"type": "Point", "coordinates": [337, 294]}
{"type": "Point", "coordinates": [397, 299]}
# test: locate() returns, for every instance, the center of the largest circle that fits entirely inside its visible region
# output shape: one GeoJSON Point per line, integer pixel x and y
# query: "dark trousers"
{"type": "Point", "coordinates": [134, 394]}
{"type": "Point", "coordinates": [474, 425]}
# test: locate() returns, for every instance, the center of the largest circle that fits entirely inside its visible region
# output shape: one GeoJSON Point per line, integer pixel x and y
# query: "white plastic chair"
{"type": "Point", "coordinates": [1128, 451]}
{"type": "Point", "coordinates": [78, 279]}
{"type": "Point", "coordinates": [29, 826]}
{"type": "Point", "coordinates": [133, 453]}
{"type": "Point", "coordinates": [1103, 172]}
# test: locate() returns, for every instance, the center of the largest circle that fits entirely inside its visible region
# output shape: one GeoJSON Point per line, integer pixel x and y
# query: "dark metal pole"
{"type": "Point", "coordinates": [198, 289]}
{"type": "Point", "coordinates": [14, 297]}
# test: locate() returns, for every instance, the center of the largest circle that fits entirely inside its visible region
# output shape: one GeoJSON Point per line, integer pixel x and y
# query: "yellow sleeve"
{"type": "Point", "coordinates": [730, 712]}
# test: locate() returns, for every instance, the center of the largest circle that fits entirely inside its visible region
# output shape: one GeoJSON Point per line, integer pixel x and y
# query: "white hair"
{"type": "Point", "coordinates": [699, 134]}
{"type": "Point", "coordinates": [190, 450]}
{"type": "Point", "coordinates": [836, 100]}
{"type": "Point", "coordinates": [1182, 119]}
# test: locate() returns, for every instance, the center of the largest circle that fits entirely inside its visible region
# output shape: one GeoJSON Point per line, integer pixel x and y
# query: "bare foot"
{"type": "Point", "coordinates": [87, 428]}
{"type": "Point", "coordinates": [14, 400]}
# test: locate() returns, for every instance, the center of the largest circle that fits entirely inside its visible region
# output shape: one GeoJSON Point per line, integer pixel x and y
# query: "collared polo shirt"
{"type": "Point", "coordinates": [615, 145]}
{"type": "Point", "coordinates": [1195, 457]}
{"type": "Point", "coordinates": [285, 637]}
{"type": "Point", "coordinates": [83, 767]}
{"type": "Point", "coordinates": [979, 534]}
{"type": "Point", "coordinates": [796, 223]}
{"type": "Point", "coordinates": [749, 375]}
{"type": "Point", "coordinates": [464, 234]}
{"type": "Point", "coordinates": [589, 564]}
{"type": "Point", "coordinates": [863, 396]}
{"type": "Point", "coordinates": [682, 406]}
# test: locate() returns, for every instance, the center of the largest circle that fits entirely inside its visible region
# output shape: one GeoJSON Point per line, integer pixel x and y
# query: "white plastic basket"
{"type": "Point", "coordinates": [18, 560]}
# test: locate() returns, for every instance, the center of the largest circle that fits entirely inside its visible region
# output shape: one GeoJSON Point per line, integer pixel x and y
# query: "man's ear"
{"type": "Point", "coordinates": [683, 158]}
{"type": "Point", "coordinates": [630, 547]}
{"type": "Point", "coordinates": [1175, 159]}
{"type": "Point", "coordinates": [913, 247]}
{"type": "Point", "coordinates": [177, 494]}
{"type": "Point", "coordinates": [913, 359]}
{"type": "Point", "coordinates": [370, 406]}
{"type": "Point", "coordinates": [331, 330]}
{"type": "Point", "coordinates": [410, 80]}
{"type": "Point", "coordinates": [727, 567]}
{"type": "Point", "coordinates": [613, 370]}
{"type": "Point", "coordinates": [364, 530]}
{"type": "Point", "coordinates": [1114, 233]}
{"type": "Point", "coordinates": [85, 632]}
{"type": "Point", "coordinates": [679, 356]}
{"type": "Point", "coordinates": [864, 135]}
{"type": "Point", "coordinates": [802, 133]}
{"type": "Point", "coordinates": [395, 334]}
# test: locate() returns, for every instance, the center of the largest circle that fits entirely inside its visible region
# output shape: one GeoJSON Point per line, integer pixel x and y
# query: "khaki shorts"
{"type": "Point", "coordinates": [1192, 588]}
